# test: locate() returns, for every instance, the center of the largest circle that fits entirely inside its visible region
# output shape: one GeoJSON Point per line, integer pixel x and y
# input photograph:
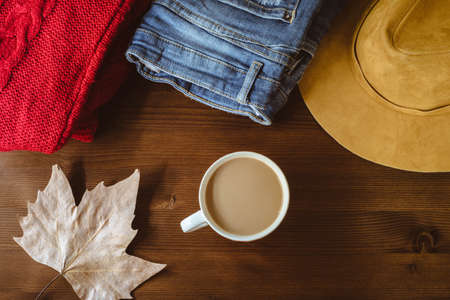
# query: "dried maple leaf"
{"type": "Point", "coordinates": [86, 243]}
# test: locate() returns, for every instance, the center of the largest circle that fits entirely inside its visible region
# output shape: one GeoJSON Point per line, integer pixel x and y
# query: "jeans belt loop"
{"type": "Point", "coordinates": [249, 80]}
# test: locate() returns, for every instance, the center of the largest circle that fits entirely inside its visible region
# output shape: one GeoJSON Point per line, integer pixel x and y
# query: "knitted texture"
{"type": "Point", "coordinates": [50, 54]}
{"type": "Point", "coordinates": [111, 75]}
{"type": "Point", "coordinates": [20, 27]}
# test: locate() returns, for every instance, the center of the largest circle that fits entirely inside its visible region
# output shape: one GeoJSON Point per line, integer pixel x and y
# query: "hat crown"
{"type": "Point", "coordinates": [426, 29]}
{"type": "Point", "coordinates": [403, 51]}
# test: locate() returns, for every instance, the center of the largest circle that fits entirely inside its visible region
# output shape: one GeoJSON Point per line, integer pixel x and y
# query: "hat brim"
{"type": "Point", "coordinates": [359, 121]}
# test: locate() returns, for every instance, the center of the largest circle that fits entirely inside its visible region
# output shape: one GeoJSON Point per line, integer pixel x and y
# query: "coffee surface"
{"type": "Point", "coordinates": [244, 196]}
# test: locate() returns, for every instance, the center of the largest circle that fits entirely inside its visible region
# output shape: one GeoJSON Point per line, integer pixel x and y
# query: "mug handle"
{"type": "Point", "coordinates": [193, 222]}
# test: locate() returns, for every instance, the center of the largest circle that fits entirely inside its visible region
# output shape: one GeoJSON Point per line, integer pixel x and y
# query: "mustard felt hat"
{"type": "Point", "coordinates": [380, 83]}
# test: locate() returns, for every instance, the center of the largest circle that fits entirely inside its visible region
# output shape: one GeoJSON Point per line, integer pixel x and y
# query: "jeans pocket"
{"type": "Point", "coordinates": [283, 10]}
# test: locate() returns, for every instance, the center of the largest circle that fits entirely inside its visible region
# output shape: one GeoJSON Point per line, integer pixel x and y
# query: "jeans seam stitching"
{"type": "Point", "coordinates": [232, 33]}
{"type": "Point", "coordinates": [240, 44]}
{"type": "Point", "coordinates": [258, 106]}
{"type": "Point", "coordinates": [197, 96]}
{"type": "Point", "coordinates": [247, 88]}
{"type": "Point", "coordinates": [190, 50]}
{"type": "Point", "coordinates": [185, 78]}
{"type": "Point", "coordinates": [283, 94]}
{"type": "Point", "coordinates": [283, 9]}
{"type": "Point", "coordinates": [205, 56]}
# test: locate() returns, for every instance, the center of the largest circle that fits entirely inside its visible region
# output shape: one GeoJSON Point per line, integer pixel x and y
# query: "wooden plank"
{"type": "Point", "coordinates": [301, 233]}
{"type": "Point", "coordinates": [196, 274]}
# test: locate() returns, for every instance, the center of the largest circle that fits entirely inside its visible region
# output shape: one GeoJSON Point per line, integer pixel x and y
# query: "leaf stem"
{"type": "Point", "coordinates": [46, 287]}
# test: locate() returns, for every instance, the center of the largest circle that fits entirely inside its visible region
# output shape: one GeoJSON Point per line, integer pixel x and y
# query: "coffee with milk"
{"type": "Point", "coordinates": [244, 196]}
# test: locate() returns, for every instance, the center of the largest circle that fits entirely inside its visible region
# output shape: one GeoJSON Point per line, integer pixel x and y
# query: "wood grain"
{"type": "Point", "coordinates": [354, 230]}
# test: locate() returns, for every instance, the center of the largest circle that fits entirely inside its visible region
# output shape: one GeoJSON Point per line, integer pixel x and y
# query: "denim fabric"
{"type": "Point", "coordinates": [241, 56]}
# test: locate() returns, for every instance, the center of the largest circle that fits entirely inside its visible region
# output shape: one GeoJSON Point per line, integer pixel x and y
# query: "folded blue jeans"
{"type": "Point", "coordinates": [240, 56]}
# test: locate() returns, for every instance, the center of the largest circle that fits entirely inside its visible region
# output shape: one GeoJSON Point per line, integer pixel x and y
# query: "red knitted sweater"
{"type": "Point", "coordinates": [50, 54]}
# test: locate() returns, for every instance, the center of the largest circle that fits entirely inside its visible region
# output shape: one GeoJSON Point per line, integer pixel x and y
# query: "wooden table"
{"type": "Point", "coordinates": [354, 230]}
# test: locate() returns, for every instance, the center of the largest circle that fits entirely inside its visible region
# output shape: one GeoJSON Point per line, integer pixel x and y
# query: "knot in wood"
{"type": "Point", "coordinates": [425, 242]}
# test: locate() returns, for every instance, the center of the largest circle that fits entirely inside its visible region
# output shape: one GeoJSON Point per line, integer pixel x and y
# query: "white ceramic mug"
{"type": "Point", "coordinates": [202, 218]}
